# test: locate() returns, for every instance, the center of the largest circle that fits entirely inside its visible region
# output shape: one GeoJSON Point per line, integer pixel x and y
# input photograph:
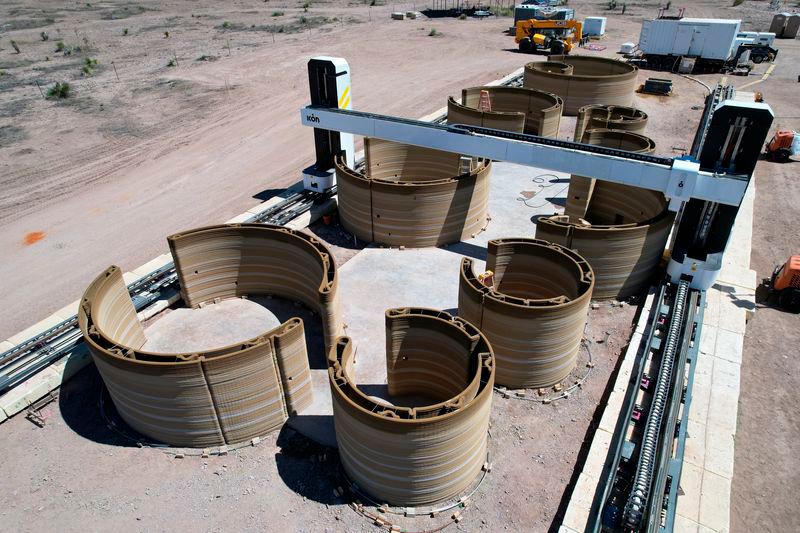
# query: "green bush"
{"type": "Point", "coordinates": [59, 90]}
{"type": "Point", "coordinates": [277, 13]}
{"type": "Point", "coordinates": [433, 33]}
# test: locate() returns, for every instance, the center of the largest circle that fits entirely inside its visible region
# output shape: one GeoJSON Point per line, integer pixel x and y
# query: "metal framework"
{"type": "Point", "coordinates": [677, 178]}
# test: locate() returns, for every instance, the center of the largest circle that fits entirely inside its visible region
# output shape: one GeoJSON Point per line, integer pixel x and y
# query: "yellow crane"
{"type": "Point", "coordinates": [557, 36]}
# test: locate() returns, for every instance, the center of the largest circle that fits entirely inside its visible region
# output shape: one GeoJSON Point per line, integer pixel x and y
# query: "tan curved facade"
{"type": "Point", "coordinates": [229, 394]}
{"type": "Point", "coordinates": [583, 80]}
{"type": "Point", "coordinates": [609, 117]}
{"type": "Point", "coordinates": [534, 313]}
{"type": "Point", "coordinates": [582, 189]}
{"type": "Point", "coordinates": [622, 257]}
{"type": "Point", "coordinates": [621, 230]}
{"type": "Point", "coordinates": [513, 121]}
{"type": "Point", "coordinates": [540, 111]}
{"type": "Point", "coordinates": [412, 196]}
{"type": "Point", "coordinates": [417, 454]}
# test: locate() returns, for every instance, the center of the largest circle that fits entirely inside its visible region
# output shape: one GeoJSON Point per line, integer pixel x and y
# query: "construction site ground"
{"type": "Point", "coordinates": [102, 178]}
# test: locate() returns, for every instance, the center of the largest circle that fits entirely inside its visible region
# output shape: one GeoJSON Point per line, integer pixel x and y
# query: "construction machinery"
{"type": "Point", "coordinates": [784, 285]}
{"type": "Point", "coordinates": [779, 148]}
{"type": "Point", "coordinates": [554, 36]}
{"type": "Point", "coordinates": [641, 477]}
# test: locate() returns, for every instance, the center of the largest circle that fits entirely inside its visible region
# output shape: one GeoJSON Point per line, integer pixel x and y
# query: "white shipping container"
{"type": "Point", "coordinates": [705, 38]}
{"type": "Point", "coordinates": [594, 26]}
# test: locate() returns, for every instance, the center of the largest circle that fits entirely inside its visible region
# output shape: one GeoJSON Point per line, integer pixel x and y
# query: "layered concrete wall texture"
{"type": "Point", "coordinates": [229, 394]}
{"type": "Point", "coordinates": [516, 109]}
{"type": "Point", "coordinates": [583, 80]}
{"type": "Point", "coordinates": [535, 311]}
{"type": "Point", "coordinates": [411, 196]}
{"type": "Point", "coordinates": [419, 454]}
{"type": "Point", "coordinates": [621, 230]}
{"type": "Point", "coordinates": [612, 117]}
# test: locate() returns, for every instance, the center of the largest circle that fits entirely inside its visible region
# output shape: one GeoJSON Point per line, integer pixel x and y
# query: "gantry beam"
{"type": "Point", "coordinates": [677, 178]}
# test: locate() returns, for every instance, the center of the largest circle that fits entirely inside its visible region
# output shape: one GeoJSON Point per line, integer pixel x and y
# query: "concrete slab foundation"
{"type": "Point", "coordinates": [377, 279]}
{"type": "Point", "coordinates": [373, 281]}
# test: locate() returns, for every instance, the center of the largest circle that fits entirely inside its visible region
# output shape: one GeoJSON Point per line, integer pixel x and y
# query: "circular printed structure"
{"type": "Point", "coordinates": [516, 109]}
{"type": "Point", "coordinates": [583, 80]}
{"type": "Point", "coordinates": [431, 449]}
{"type": "Point", "coordinates": [621, 230]}
{"type": "Point", "coordinates": [411, 196]}
{"type": "Point", "coordinates": [533, 312]}
{"type": "Point", "coordinates": [229, 394]}
{"type": "Point", "coordinates": [613, 117]}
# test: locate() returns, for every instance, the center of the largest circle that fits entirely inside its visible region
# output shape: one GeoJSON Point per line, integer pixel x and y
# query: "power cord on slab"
{"type": "Point", "coordinates": [540, 182]}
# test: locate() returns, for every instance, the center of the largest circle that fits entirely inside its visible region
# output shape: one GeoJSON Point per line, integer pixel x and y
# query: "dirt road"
{"type": "Point", "coordinates": [96, 201]}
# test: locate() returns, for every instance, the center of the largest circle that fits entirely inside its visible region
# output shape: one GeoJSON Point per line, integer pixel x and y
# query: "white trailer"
{"type": "Point", "coordinates": [710, 42]}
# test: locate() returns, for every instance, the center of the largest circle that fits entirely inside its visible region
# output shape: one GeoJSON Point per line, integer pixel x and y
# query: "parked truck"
{"type": "Point", "coordinates": [700, 45]}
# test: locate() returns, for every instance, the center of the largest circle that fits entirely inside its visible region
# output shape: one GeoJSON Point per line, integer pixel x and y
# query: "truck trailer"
{"type": "Point", "coordinates": [706, 45]}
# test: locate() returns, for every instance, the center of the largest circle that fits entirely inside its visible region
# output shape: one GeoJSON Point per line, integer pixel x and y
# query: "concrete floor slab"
{"type": "Point", "coordinates": [377, 279]}
{"type": "Point", "coordinates": [374, 280]}
{"type": "Point", "coordinates": [211, 326]}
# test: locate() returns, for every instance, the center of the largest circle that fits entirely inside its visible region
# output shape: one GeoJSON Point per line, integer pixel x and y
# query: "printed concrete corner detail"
{"type": "Point", "coordinates": [534, 311]}
{"type": "Point", "coordinates": [435, 448]}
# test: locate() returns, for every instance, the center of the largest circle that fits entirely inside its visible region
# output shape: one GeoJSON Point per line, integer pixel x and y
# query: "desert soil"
{"type": "Point", "coordinates": [143, 149]}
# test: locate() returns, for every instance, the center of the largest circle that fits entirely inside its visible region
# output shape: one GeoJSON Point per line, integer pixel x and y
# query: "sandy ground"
{"type": "Point", "coordinates": [766, 470]}
{"type": "Point", "coordinates": [105, 177]}
{"type": "Point", "coordinates": [189, 152]}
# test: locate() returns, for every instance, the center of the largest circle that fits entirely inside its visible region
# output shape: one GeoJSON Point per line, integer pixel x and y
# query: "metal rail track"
{"type": "Point", "coordinates": [638, 491]}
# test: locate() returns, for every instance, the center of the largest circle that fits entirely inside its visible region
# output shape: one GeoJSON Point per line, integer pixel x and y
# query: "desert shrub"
{"type": "Point", "coordinates": [59, 90]}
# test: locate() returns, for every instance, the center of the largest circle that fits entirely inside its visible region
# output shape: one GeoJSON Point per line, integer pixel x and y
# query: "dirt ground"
{"type": "Point", "coordinates": [144, 149]}
{"type": "Point", "coordinates": [766, 471]}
